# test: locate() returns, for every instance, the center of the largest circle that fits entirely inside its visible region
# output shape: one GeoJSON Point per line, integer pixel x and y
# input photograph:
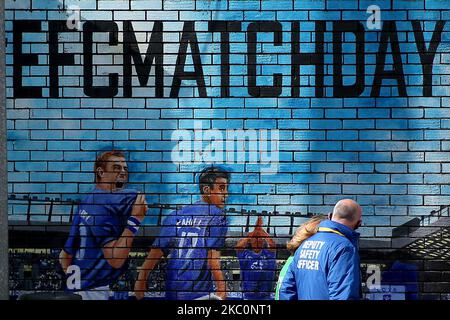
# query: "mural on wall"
{"type": "Point", "coordinates": [148, 140]}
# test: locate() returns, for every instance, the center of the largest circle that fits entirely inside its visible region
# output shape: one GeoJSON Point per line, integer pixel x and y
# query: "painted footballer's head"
{"type": "Point", "coordinates": [213, 182]}
{"type": "Point", "coordinates": [111, 170]}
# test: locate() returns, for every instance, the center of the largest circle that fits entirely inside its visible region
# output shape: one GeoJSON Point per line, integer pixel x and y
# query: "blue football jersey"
{"type": "Point", "coordinates": [186, 236]}
{"type": "Point", "coordinates": [257, 273]}
{"type": "Point", "coordinates": [101, 218]}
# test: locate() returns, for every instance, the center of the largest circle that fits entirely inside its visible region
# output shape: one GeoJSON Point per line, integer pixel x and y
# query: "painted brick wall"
{"type": "Point", "coordinates": [388, 150]}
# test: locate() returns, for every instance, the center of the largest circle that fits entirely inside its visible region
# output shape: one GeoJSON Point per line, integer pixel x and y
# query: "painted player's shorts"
{"type": "Point", "coordinates": [99, 293]}
{"type": "Point", "coordinates": [210, 296]}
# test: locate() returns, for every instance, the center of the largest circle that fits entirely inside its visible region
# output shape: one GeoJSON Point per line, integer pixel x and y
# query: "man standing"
{"type": "Point", "coordinates": [191, 238]}
{"type": "Point", "coordinates": [102, 233]}
{"type": "Point", "coordinates": [326, 266]}
{"type": "Point", "coordinates": [258, 263]}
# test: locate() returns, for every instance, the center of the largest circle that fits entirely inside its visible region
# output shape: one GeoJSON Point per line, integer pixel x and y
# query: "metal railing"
{"type": "Point", "coordinates": [51, 203]}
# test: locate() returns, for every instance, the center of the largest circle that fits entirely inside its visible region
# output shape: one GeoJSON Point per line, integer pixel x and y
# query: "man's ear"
{"type": "Point", "coordinates": [206, 190]}
{"type": "Point", "coordinates": [99, 172]}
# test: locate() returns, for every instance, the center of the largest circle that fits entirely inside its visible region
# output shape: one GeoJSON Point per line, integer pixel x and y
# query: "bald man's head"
{"type": "Point", "coordinates": [347, 212]}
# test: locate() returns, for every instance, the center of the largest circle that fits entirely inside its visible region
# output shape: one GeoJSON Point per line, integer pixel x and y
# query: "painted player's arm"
{"type": "Point", "coordinates": [68, 251]}
{"type": "Point", "coordinates": [242, 244]}
{"type": "Point", "coordinates": [216, 270]}
{"type": "Point", "coordinates": [116, 251]}
{"type": "Point", "coordinates": [272, 246]}
{"type": "Point", "coordinates": [65, 259]}
{"type": "Point", "coordinates": [140, 287]}
{"type": "Point", "coordinates": [262, 234]}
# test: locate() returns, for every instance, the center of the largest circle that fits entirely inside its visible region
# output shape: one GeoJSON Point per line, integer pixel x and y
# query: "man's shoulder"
{"type": "Point", "coordinates": [114, 198]}
{"type": "Point", "coordinates": [199, 208]}
{"type": "Point", "coordinates": [328, 240]}
{"type": "Point", "coordinates": [342, 247]}
{"type": "Point", "coordinates": [102, 204]}
{"type": "Point", "coordinates": [129, 194]}
{"type": "Point", "coordinates": [269, 253]}
{"type": "Point", "coordinates": [340, 243]}
{"type": "Point", "coordinates": [246, 255]}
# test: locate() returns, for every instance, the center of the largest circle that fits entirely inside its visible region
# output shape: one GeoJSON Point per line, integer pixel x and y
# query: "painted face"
{"type": "Point", "coordinates": [218, 194]}
{"type": "Point", "coordinates": [115, 173]}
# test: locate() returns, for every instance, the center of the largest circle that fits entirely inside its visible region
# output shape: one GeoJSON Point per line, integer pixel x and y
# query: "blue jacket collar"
{"type": "Point", "coordinates": [350, 234]}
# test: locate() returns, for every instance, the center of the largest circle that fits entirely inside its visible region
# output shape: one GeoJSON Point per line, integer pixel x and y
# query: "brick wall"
{"type": "Point", "coordinates": [382, 142]}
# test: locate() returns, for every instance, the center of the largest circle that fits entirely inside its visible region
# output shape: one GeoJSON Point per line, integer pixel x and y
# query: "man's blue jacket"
{"type": "Point", "coordinates": [325, 266]}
